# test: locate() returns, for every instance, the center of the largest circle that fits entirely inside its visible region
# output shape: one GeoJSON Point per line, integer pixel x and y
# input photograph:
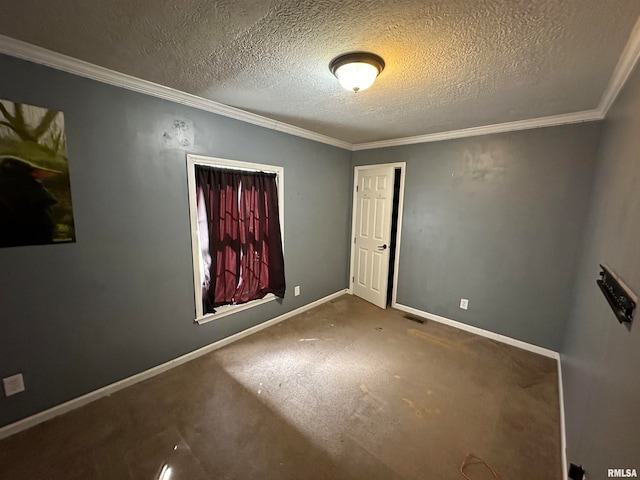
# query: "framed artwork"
{"type": "Point", "coordinates": [35, 193]}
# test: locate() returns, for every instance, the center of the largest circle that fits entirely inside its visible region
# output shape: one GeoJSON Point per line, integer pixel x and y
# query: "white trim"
{"type": "Point", "coordinates": [354, 212]}
{"type": "Point", "coordinates": [396, 267]}
{"type": "Point", "coordinates": [554, 120]}
{"type": "Point", "coordinates": [193, 160]}
{"type": "Point", "coordinates": [478, 331]}
{"type": "Point", "coordinates": [563, 432]}
{"type": "Point", "coordinates": [42, 56]}
{"type": "Point", "coordinates": [627, 61]}
{"type": "Point", "coordinates": [515, 343]}
{"type": "Point", "coordinates": [33, 53]}
{"type": "Point", "coordinates": [225, 310]}
{"type": "Point", "coordinates": [624, 67]}
{"type": "Point", "coordinates": [354, 201]}
{"type": "Point", "coordinates": [78, 402]}
{"type": "Point", "coordinates": [195, 243]}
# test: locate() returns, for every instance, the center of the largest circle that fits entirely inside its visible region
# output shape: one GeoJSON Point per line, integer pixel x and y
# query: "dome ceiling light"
{"type": "Point", "coordinates": [357, 71]}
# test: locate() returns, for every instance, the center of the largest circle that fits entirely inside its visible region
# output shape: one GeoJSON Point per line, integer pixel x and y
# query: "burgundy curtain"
{"type": "Point", "coordinates": [245, 242]}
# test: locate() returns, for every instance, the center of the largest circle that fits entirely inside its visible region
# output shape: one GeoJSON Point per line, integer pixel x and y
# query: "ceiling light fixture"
{"type": "Point", "coordinates": [357, 71]}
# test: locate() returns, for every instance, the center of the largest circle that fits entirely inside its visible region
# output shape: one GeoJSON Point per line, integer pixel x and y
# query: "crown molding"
{"type": "Point", "coordinates": [554, 120]}
{"type": "Point", "coordinates": [627, 61]}
{"type": "Point", "coordinates": [624, 67]}
{"type": "Point", "coordinates": [33, 53]}
{"type": "Point", "coordinates": [26, 51]}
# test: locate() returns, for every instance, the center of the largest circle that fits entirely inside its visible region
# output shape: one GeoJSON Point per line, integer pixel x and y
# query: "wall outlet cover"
{"type": "Point", "coordinates": [13, 384]}
{"type": "Point", "coordinates": [464, 303]}
{"type": "Point", "coordinates": [296, 290]}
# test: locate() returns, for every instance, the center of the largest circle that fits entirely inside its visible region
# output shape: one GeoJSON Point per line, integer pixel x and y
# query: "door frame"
{"type": "Point", "coordinates": [397, 165]}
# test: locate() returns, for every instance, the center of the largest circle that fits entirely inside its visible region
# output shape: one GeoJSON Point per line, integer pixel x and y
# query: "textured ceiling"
{"type": "Point", "coordinates": [449, 64]}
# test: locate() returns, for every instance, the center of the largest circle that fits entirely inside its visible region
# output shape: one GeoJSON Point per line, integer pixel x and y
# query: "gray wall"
{"type": "Point", "coordinates": [497, 219]}
{"type": "Point", "coordinates": [76, 317]}
{"type": "Point", "coordinates": [600, 357]}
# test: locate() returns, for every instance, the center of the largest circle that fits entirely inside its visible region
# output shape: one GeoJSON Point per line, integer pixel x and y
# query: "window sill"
{"type": "Point", "coordinates": [231, 309]}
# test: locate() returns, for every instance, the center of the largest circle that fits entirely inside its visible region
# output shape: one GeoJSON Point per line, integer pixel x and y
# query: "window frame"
{"type": "Point", "coordinates": [196, 254]}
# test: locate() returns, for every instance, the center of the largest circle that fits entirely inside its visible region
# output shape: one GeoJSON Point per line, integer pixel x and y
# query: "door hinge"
{"type": "Point", "coordinates": [357, 188]}
{"type": "Point", "coordinates": [354, 239]}
{"type": "Point", "coordinates": [353, 279]}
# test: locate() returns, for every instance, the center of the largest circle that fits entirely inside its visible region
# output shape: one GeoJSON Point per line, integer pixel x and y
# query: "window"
{"type": "Point", "coordinates": [236, 211]}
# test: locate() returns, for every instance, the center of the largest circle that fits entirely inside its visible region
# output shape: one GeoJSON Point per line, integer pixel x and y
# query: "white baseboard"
{"type": "Point", "coordinates": [563, 433]}
{"type": "Point", "coordinates": [516, 343]}
{"type": "Point", "coordinates": [50, 413]}
{"type": "Point", "coordinates": [478, 331]}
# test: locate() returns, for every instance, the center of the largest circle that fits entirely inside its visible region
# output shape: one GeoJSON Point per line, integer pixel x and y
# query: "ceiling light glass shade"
{"type": "Point", "coordinates": [357, 71]}
{"type": "Point", "coordinates": [356, 76]}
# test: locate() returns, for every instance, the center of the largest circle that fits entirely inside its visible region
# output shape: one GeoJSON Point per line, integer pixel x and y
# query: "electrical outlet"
{"type": "Point", "coordinates": [464, 303]}
{"type": "Point", "coordinates": [296, 290]}
{"type": "Point", "coordinates": [13, 385]}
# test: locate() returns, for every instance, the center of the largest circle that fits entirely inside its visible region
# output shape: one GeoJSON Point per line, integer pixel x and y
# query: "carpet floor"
{"type": "Point", "coordinates": [343, 391]}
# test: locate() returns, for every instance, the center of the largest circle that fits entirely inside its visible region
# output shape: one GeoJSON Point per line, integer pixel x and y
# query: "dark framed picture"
{"type": "Point", "coordinates": [35, 192]}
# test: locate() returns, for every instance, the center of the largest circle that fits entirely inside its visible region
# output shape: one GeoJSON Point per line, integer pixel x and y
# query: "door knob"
{"type": "Point", "coordinates": [382, 247]}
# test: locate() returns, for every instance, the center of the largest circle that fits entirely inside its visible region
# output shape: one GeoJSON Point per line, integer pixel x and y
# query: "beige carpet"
{"type": "Point", "coordinates": [344, 391]}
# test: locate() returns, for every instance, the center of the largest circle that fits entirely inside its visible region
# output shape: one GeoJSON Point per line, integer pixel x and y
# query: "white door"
{"type": "Point", "coordinates": [374, 201]}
